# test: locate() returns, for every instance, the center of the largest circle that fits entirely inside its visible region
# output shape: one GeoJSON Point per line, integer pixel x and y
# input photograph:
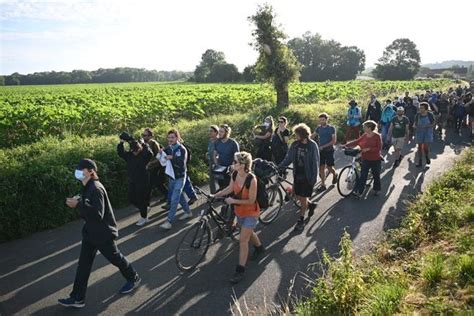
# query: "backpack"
{"type": "Point", "coordinates": [264, 169]}
{"type": "Point", "coordinates": [262, 195]}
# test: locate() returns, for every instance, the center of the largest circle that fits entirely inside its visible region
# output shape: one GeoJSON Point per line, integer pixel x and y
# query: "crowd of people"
{"type": "Point", "coordinates": [150, 166]}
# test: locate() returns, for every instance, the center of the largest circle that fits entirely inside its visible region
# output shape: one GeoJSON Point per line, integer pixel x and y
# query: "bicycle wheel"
{"type": "Point", "coordinates": [193, 247]}
{"type": "Point", "coordinates": [275, 200]}
{"type": "Point", "coordinates": [347, 180]}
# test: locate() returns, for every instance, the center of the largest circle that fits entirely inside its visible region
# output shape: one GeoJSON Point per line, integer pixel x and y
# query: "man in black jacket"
{"type": "Point", "coordinates": [99, 233]}
{"type": "Point", "coordinates": [137, 159]}
{"type": "Point", "coordinates": [374, 110]}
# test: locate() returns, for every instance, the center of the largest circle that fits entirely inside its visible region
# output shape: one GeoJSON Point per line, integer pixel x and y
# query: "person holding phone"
{"type": "Point", "coordinates": [98, 233]}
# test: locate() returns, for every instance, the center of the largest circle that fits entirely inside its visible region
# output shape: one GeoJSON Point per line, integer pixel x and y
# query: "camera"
{"type": "Point", "coordinates": [126, 137]}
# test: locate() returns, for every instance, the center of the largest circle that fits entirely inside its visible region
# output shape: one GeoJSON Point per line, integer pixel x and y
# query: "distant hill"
{"type": "Point", "coordinates": [449, 64]}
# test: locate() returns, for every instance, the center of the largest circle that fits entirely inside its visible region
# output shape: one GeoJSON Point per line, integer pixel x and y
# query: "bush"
{"type": "Point", "coordinates": [35, 179]}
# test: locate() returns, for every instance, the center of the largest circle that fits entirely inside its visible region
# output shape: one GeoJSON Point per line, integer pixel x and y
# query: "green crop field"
{"type": "Point", "coordinates": [28, 113]}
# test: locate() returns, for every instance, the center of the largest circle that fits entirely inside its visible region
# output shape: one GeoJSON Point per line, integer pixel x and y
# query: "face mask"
{"type": "Point", "coordinates": [266, 124]}
{"type": "Point", "coordinates": [79, 174]}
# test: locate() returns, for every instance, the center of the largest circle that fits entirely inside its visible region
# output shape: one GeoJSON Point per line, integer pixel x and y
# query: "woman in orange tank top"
{"type": "Point", "coordinates": [243, 189]}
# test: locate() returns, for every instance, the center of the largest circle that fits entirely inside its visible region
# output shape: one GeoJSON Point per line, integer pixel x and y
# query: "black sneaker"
{"type": "Point", "coordinates": [428, 161]}
{"type": "Point", "coordinates": [311, 208]}
{"type": "Point", "coordinates": [71, 302]}
{"type": "Point", "coordinates": [321, 189]}
{"type": "Point", "coordinates": [237, 277]}
{"type": "Point", "coordinates": [334, 179]}
{"type": "Point", "coordinates": [257, 253]}
{"type": "Point", "coordinates": [299, 225]}
{"type": "Point", "coordinates": [192, 201]}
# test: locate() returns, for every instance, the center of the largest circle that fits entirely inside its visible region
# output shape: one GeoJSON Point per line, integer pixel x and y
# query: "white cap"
{"type": "Point", "coordinates": [401, 109]}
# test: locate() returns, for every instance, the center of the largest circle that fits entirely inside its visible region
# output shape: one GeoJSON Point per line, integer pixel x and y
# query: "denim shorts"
{"type": "Point", "coordinates": [247, 221]}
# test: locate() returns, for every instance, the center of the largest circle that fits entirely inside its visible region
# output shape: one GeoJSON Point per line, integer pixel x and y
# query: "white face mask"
{"type": "Point", "coordinates": [266, 124]}
{"type": "Point", "coordinates": [79, 174]}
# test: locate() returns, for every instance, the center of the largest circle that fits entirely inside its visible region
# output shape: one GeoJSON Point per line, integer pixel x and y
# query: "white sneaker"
{"type": "Point", "coordinates": [142, 221]}
{"type": "Point", "coordinates": [186, 216]}
{"type": "Point", "coordinates": [166, 225]}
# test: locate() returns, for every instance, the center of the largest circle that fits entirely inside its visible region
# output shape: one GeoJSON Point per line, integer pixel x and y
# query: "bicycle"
{"type": "Point", "coordinates": [350, 174]}
{"type": "Point", "coordinates": [197, 239]}
{"type": "Point", "coordinates": [275, 198]}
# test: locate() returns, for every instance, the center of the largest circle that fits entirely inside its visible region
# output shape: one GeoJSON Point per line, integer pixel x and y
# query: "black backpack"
{"type": "Point", "coordinates": [262, 195]}
{"type": "Point", "coordinates": [188, 150]}
{"type": "Point", "coordinates": [264, 169]}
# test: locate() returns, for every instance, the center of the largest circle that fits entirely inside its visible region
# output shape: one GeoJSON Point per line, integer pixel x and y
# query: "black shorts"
{"type": "Point", "coordinates": [302, 188]}
{"type": "Point", "coordinates": [326, 157]}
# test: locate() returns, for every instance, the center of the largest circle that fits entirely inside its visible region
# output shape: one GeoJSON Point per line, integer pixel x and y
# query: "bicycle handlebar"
{"type": "Point", "coordinates": [210, 198]}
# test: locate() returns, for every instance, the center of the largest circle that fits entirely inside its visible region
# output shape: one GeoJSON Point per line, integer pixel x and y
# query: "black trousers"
{"type": "Point", "coordinates": [139, 195]}
{"type": "Point", "coordinates": [88, 251]}
{"type": "Point", "coordinates": [375, 166]}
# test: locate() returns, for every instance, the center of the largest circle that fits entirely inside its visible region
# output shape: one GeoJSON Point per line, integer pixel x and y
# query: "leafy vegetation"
{"type": "Point", "coordinates": [425, 266]}
{"type": "Point", "coordinates": [29, 113]}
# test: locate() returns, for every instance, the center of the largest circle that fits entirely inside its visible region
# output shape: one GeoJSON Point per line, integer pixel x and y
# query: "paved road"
{"type": "Point", "coordinates": [36, 271]}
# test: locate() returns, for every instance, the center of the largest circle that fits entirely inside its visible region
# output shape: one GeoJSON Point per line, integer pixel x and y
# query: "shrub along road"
{"type": "Point", "coordinates": [37, 270]}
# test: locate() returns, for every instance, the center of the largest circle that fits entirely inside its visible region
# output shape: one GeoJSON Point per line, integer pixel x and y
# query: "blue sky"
{"type": "Point", "coordinates": [166, 35]}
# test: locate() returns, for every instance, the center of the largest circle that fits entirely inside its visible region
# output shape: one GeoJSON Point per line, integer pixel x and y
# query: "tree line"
{"type": "Point", "coordinates": [121, 74]}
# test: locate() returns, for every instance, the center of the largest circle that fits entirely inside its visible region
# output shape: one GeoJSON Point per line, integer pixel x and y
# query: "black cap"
{"type": "Point", "coordinates": [86, 164]}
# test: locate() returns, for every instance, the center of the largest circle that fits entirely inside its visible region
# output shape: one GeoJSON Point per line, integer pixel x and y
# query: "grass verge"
{"type": "Point", "coordinates": [425, 266]}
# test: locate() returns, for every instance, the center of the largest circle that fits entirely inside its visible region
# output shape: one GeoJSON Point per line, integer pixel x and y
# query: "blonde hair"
{"type": "Point", "coordinates": [244, 158]}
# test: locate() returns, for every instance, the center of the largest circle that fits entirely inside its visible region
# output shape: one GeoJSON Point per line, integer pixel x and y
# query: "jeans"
{"type": "Point", "coordinates": [373, 165]}
{"type": "Point", "coordinates": [88, 251]}
{"type": "Point", "coordinates": [188, 189]}
{"type": "Point", "coordinates": [176, 187]}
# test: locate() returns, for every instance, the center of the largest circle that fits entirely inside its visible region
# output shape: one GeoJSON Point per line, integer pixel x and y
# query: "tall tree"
{"type": "Point", "coordinates": [276, 62]}
{"type": "Point", "coordinates": [208, 60]}
{"type": "Point", "coordinates": [400, 61]}
{"type": "Point", "coordinates": [326, 59]}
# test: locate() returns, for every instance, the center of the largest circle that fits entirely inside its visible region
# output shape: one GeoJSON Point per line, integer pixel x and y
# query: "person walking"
{"type": "Point", "coordinates": [374, 110]}
{"type": "Point", "coordinates": [399, 132]}
{"type": "Point", "coordinates": [213, 137]}
{"type": "Point", "coordinates": [327, 139]}
{"type": "Point", "coordinates": [224, 151]}
{"type": "Point", "coordinates": [410, 112]}
{"type": "Point", "coordinates": [98, 233]}
{"type": "Point", "coordinates": [388, 113]}
{"type": "Point", "coordinates": [424, 123]}
{"type": "Point", "coordinates": [156, 170]}
{"type": "Point", "coordinates": [353, 121]}
{"type": "Point", "coordinates": [304, 155]}
{"type": "Point", "coordinates": [175, 156]}
{"type": "Point", "coordinates": [137, 159]}
{"type": "Point", "coordinates": [263, 137]}
{"type": "Point", "coordinates": [243, 187]}
{"type": "Point", "coordinates": [371, 146]}
{"type": "Point", "coordinates": [280, 140]}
